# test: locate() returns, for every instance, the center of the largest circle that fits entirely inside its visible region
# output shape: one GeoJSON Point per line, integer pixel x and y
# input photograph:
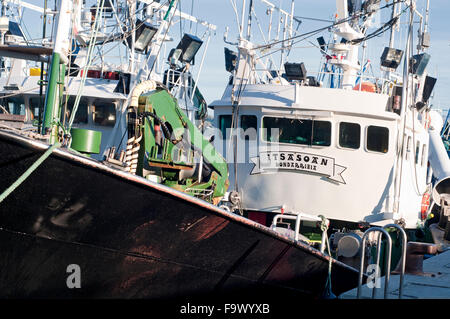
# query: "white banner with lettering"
{"type": "Point", "coordinates": [276, 161]}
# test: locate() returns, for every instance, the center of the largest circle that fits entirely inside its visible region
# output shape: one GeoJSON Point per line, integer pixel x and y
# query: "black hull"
{"type": "Point", "coordinates": [136, 239]}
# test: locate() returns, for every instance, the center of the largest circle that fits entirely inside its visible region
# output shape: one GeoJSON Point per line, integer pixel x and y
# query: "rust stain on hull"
{"type": "Point", "coordinates": [208, 227]}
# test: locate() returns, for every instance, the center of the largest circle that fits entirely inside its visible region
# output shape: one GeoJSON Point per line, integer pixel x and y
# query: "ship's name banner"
{"type": "Point", "coordinates": [276, 161]}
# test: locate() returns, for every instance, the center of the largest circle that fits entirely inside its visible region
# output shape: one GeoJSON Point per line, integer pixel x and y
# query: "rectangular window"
{"type": "Point", "coordinates": [82, 112]}
{"type": "Point", "coordinates": [417, 152]}
{"type": "Point", "coordinates": [424, 160]}
{"type": "Point", "coordinates": [249, 127]}
{"type": "Point", "coordinates": [105, 113]}
{"type": "Point", "coordinates": [349, 135]}
{"type": "Point", "coordinates": [224, 124]}
{"type": "Point", "coordinates": [408, 147]}
{"type": "Point", "coordinates": [297, 131]}
{"type": "Point", "coordinates": [378, 139]}
{"type": "Point", "coordinates": [34, 105]}
{"type": "Point", "coordinates": [14, 105]}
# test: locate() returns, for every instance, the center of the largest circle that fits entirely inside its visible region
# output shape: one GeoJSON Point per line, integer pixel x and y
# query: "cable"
{"type": "Point", "coordinates": [355, 16]}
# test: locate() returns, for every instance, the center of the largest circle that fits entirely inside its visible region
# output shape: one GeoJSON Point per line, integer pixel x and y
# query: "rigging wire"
{"type": "Point", "coordinates": [355, 16]}
{"type": "Point", "coordinates": [92, 41]}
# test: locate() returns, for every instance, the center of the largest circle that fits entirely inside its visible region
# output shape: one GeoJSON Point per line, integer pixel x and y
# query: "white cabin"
{"type": "Point", "coordinates": [336, 153]}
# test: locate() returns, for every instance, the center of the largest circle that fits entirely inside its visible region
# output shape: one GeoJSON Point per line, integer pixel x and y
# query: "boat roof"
{"type": "Point", "coordinates": [276, 97]}
{"type": "Point", "coordinates": [99, 88]}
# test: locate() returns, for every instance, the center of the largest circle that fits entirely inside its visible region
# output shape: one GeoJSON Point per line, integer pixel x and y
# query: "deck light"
{"type": "Point", "coordinates": [428, 87]}
{"type": "Point", "coordinates": [419, 62]}
{"type": "Point", "coordinates": [295, 71]}
{"type": "Point", "coordinates": [189, 46]}
{"type": "Point", "coordinates": [144, 35]}
{"type": "Point", "coordinates": [230, 60]}
{"type": "Point", "coordinates": [391, 58]}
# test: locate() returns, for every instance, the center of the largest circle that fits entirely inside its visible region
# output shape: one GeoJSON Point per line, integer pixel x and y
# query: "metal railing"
{"type": "Point", "coordinates": [298, 219]}
{"type": "Point", "coordinates": [388, 256]}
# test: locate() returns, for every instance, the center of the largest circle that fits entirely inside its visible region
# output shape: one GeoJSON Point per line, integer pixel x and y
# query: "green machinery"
{"type": "Point", "coordinates": [173, 151]}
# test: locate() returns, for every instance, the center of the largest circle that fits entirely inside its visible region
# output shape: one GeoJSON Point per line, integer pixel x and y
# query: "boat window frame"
{"type": "Point", "coordinates": [71, 101]}
{"type": "Point", "coordinates": [408, 147]}
{"type": "Point", "coordinates": [310, 118]}
{"type": "Point", "coordinates": [104, 102]}
{"type": "Point", "coordinates": [21, 97]}
{"type": "Point", "coordinates": [366, 137]}
{"type": "Point", "coordinates": [257, 127]}
{"type": "Point", "coordinates": [417, 150]}
{"type": "Point", "coordinates": [423, 160]}
{"type": "Point", "coordinates": [339, 136]}
{"type": "Point", "coordinates": [224, 134]}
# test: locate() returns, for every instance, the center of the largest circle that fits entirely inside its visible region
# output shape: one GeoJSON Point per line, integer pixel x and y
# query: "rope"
{"type": "Point", "coordinates": [328, 293]}
{"type": "Point", "coordinates": [132, 154]}
{"type": "Point", "coordinates": [28, 172]}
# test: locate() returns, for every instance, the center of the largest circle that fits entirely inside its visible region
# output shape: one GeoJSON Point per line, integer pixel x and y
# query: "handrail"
{"type": "Point", "coordinates": [297, 217]}
{"type": "Point", "coordinates": [403, 260]}
{"type": "Point", "coordinates": [387, 263]}
{"type": "Point", "coordinates": [388, 256]}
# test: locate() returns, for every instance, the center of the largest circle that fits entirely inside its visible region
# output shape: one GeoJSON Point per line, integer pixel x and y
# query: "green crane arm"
{"type": "Point", "coordinates": [174, 149]}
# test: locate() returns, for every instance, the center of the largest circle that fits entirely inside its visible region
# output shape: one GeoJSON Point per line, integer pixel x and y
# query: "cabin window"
{"type": "Point", "coordinates": [349, 135]}
{"type": "Point", "coordinates": [34, 105]}
{"type": "Point", "coordinates": [378, 139]}
{"type": "Point", "coordinates": [249, 127]}
{"type": "Point", "coordinates": [424, 150]}
{"type": "Point", "coordinates": [82, 112]}
{"type": "Point", "coordinates": [224, 124]}
{"type": "Point", "coordinates": [297, 131]}
{"type": "Point", "coordinates": [13, 105]}
{"type": "Point", "coordinates": [408, 147]}
{"type": "Point", "coordinates": [104, 113]}
{"type": "Point", "coordinates": [417, 152]}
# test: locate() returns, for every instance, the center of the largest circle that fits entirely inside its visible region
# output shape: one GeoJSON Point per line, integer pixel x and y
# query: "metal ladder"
{"type": "Point", "coordinates": [388, 256]}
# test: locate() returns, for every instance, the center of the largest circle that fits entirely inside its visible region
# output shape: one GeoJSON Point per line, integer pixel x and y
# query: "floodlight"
{"type": "Point", "coordinates": [144, 35]}
{"type": "Point", "coordinates": [391, 58]}
{"type": "Point", "coordinates": [419, 62]}
{"type": "Point", "coordinates": [230, 60]}
{"type": "Point", "coordinates": [189, 46]}
{"type": "Point", "coordinates": [295, 71]}
{"type": "Point", "coordinates": [428, 88]}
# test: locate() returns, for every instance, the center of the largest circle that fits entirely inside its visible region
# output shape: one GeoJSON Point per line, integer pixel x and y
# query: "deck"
{"type": "Point", "coordinates": [436, 285]}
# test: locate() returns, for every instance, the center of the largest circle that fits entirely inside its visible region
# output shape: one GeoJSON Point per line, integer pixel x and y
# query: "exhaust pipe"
{"type": "Point", "coordinates": [438, 157]}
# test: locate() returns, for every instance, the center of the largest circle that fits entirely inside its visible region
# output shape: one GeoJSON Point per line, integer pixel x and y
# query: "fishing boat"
{"type": "Point", "coordinates": [358, 149]}
{"type": "Point", "coordinates": [110, 189]}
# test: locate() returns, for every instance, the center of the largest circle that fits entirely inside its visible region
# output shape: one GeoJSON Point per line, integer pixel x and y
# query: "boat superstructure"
{"type": "Point", "coordinates": [126, 44]}
{"type": "Point", "coordinates": [339, 143]}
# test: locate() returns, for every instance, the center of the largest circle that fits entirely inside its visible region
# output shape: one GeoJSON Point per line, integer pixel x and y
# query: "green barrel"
{"type": "Point", "coordinates": [86, 141]}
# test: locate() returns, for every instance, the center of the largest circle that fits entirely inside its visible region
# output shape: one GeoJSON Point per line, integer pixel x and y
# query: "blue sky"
{"type": "Point", "coordinates": [219, 12]}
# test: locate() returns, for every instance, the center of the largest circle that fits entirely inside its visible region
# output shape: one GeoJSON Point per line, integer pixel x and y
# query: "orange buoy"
{"type": "Point", "coordinates": [366, 87]}
{"type": "Point", "coordinates": [425, 205]}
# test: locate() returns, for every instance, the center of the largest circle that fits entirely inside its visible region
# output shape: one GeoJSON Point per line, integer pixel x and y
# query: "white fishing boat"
{"type": "Point", "coordinates": [340, 143]}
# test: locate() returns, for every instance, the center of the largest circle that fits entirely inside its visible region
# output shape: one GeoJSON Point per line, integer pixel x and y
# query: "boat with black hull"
{"type": "Point", "coordinates": [86, 217]}
{"type": "Point", "coordinates": [133, 238]}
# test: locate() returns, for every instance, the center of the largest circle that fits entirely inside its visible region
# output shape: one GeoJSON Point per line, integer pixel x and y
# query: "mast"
{"type": "Point", "coordinates": [392, 35]}
{"type": "Point", "coordinates": [403, 111]}
{"type": "Point", "coordinates": [57, 70]}
{"type": "Point", "coordinates": [41, 76]}
{"type": "Point", "coordinates": [249, 21]}
{"type": "Point", "coordinates": [3, 16]}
